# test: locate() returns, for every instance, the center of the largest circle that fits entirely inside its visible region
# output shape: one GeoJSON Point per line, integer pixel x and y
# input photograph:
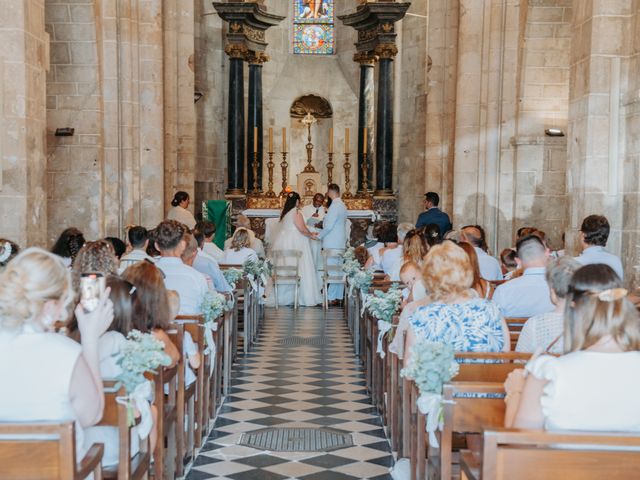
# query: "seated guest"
{"type": "Point", "coordinates": [208, 266]}
{"type": "Point", "coordinates": [239, 250]}
{"type": "Point", "coordinates": [390, 256]}
{"type": "Point", "coordinates": [508, 262]}
{"type": "Point", "coordinates": [431, 234]}
{"type": "Point", "coordinates": [119, 247]}
{"type": "Point", "coordinates": [362, 256]}
{"type": "Point", "coordinates": [189, 255]}
{"type": "Point", "coordinates": [489, 266]}
{"type": "Point", "coordinates": [151, 312]}
{"type": "Point", "coordinates": [454, 316]}
{"type": "Point", "coordinates": [481, 287]}
{"type": "Point", "coordinates": [139, 241]}
{"type": "Point", "coordinates": [384, 234]}
{"type": "Point", "coordinates": [8, 250]}
{"type": "Point", "coordinates": [594, 234]}
{"type": "Point", "coordinates": [46, 376]}
{"type": "Point", "coordinates": [411, 276]}
{"type": "Point", "coordinates": [187, 281]}
{"type": "Point", "coordinates": [255, 243]}
{"type": "Point", "coordinates": [94, 257]}
{"type": "Point", "coordinates": [68, 245]}
{"type": "Point", "coordinates": [208, 230]}
{"type": "Point", "coordinates": [527, 295]}
{"type": "Point", "coordinates": [433, 214]}
{"type": "Point", "coordinates": [544, 332]}
{"type": "Point", "coordinates": [593, 386]}
{"type": "Point", "coordinates": [414, 248]}
{"type": "Point", "coordinates": [189, 348]}
{"type": "Point", "coordinates": [152, 251]}
{"type": "Point", "coordinates": [179, 211]}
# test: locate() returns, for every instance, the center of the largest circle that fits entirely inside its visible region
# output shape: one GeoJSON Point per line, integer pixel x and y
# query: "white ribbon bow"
{"type": "Point", "coordinates": [209, 328]}
{"type": "Point", "coordinates": [430, 404]}
{"type": "Point", "coordinates": [140, 398]}
{"type": "Point", "coordinates": [383, 327]}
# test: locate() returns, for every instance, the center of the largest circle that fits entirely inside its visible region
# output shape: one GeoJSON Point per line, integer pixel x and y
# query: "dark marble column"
{"type": "Point", "coordinates": [365, 116]}
{"type": "Point", "coordinates": [384, 122]}
{"type": "Point", "coordinates": [254, 117]}
{"type": "Point", "coordinates": [235, 133]}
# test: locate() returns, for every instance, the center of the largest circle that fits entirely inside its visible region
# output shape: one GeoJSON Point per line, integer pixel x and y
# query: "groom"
{"type": "Point", "coordinates": [334, 235]}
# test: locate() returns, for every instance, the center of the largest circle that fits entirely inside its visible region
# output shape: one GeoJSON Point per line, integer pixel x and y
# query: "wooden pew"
{"type": "Point", "coordinates": [538, 455]}
{"type": "Point", "coordinates": [488, 367]}
{"type": "Point", "coordinates": [215, 381]}
{"type": "Point", "coordinates": [167, 419]}
{"type": "Point", "coordinates": [45, 451]}
{"type": "Point", "coordinates": [115, 415]}
{"type": "Point", "coordinates": [515, 325]}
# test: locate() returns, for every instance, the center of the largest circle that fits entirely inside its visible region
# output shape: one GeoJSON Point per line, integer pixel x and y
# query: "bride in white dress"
{"type": "Point", "coordinates": [291, 233]}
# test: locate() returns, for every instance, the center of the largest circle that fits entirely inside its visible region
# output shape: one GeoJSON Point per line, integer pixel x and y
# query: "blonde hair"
{"type": "Point", "coordinates": [597, 307]}
{"type": "Point", "coordinates": [447, 271]}
{"type": "Point", "coordinates": [31, 279]}
{"type": "Point", "coordinates": [241, 239]}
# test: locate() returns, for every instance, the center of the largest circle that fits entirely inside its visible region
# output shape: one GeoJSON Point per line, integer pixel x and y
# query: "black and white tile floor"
{"type": "Point", "coordinates": [313, 385]}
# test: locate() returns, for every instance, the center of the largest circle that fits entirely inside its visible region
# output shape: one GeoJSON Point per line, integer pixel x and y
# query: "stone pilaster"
{"type": "Point", "coordinates": [366, 115]}
{"type": "Point", "coordinates": [384, 120]}
{"type": "Point", "coordinates": [235, 125]}
{"type": "Point", "coordinates": [254, 118]}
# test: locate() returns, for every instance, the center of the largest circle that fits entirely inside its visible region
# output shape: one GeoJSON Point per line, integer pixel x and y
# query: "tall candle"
{"type": "Point", "coordinates": [284, 139]}
{"type": "Point", "coordinates": [364, 140]}
{"type": "Point", "coordinates": [331, 140]}
{"type": "Point", "coordinates": [255, 139]}
{"type": "Point", "coordinates": [346, 140]}
{"type": "Point", "coordinates": [270, 139]}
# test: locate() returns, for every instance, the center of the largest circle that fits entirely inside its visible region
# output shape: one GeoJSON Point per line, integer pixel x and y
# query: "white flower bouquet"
{"type": "Point", "coordinates": [233, 276]}
{"type": "Point", "coordinates": [431, 365]}
{"type": "Point", "coordinates": [259, 269]}
{"type": "Point", "coordinates": [358, 277]}
{"type": "Point", "coordinates": [213, 305]}
{"type": "Point", "coordinates": [383, 306]}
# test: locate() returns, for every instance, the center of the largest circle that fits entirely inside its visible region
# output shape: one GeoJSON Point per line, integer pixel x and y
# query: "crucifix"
{"type": "Point", "coordinates": [309, 120]}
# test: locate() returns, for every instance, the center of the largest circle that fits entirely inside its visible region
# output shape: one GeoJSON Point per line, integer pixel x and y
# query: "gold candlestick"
{"type": "Point", "coordinates": [284, 166]}
{"type": "Point", "coordinates": [330, 168]}
{"type": "Point", "coordinates": [347, 179]}
{"type": "Point", "coordinates": [270, 165]}
{"type": "Point", "coordinates": [365, 173]}
{"type": "Point", "coordinates": [254, 165]}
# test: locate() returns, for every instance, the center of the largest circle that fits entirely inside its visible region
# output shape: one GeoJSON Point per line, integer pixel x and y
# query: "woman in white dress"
{"type": "Point", "coordinates": [179, 211]}
{"type": "Point", "coordinates": [292, 234]}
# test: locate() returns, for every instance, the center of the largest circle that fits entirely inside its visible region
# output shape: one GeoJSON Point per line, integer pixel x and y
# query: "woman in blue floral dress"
{"type": "Point", "coordinates": [455, 317]}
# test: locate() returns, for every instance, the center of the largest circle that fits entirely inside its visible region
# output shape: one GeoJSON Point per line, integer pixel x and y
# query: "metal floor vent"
{"type": "Point", "coordinates": [297, 439]}
{"type": "Point", "coordinates": [300, 341]}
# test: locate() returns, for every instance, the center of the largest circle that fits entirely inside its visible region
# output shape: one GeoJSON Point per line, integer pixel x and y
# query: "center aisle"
{"type": "Point", "coordinates": [302, 373]}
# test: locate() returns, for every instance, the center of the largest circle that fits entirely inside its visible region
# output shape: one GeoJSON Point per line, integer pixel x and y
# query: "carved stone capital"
{"type": "Point", "coordinates": [257, 58]}
{"type": "Point", "coordinates": [365, 58]}
{"type": "Point", "coordinates": [236, 50]}
{"type": "Point", "coordinates": [386, 50]}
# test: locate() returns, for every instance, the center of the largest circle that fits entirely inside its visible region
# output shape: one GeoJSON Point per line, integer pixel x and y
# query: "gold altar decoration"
{"type": "Point", "coordinates": [347, 180]}
{"type": "Point", "coordinates": [309, 120]}
{"type": "Point", "coordinates": [285, 180]}
{"type": "Point", "coordinates": [365, 180]}
{"type": "Point", "coordinates": [270, 166]}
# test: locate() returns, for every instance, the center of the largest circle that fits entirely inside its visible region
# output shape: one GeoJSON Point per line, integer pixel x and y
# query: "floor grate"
{"type": "Point", "coordinates": [300, 341]}
{"type": "Point", "coordinates": [297, 439]}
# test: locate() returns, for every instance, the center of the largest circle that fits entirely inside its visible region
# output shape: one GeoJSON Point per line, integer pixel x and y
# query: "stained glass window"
{"type": "Point", "coordinates": [313, 27]}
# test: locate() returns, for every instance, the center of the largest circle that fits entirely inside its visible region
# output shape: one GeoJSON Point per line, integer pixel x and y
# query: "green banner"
{"type": "Point", "coordinates": [218, 212]}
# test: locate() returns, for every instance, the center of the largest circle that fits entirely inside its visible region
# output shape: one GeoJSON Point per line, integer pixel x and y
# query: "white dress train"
{"type": "Point", "coordinates": [288, 237]}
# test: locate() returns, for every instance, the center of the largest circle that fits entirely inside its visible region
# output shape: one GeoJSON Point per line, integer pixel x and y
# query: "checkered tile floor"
{"type": "Point", "coordinates": [300, 386]}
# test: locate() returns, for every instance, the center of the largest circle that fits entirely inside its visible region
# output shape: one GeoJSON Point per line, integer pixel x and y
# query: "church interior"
{"type": "Point", "coordinates": [517, 121]}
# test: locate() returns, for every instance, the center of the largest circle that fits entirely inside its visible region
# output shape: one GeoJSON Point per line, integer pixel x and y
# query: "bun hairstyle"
{"type": "Point", "coordinates": [69, 243]}
{"type": "Point", "coordinates": [32, 278]}
{"type": "Point", "coordinates": [597, 306]}
{"type": "Point", "coordinates": [179, 197]}
{"type": "Point", "coordinates": [290, 203]}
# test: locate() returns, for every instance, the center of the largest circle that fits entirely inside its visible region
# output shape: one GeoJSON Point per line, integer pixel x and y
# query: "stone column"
{"type": "Point", "coordinates": [384, 121]}
{"type": "Point", "coordinates": [235, 122]}
{"type": "Point", "coordinates": [365, 115]}
{"type": "Point", "coordinates": [255, 116]}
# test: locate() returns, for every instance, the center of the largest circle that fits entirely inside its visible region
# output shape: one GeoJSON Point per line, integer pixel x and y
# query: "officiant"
{"type": "Point", "coordinates": [313, 215]}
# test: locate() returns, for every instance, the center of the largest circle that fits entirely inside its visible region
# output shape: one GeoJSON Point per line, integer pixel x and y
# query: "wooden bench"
{"type": "Point", "coordinates": [488, 367]}
{"type": "Point", "coordinates": [167, 419]}
{"type": "Point", "coordinates": [45, 451]}
{"type": "Point", "coordinates": [115, 415]}
{"type": "Point", "coordinates": [515, 325]}
{"type": "Point", "coordinates": [538, 455]}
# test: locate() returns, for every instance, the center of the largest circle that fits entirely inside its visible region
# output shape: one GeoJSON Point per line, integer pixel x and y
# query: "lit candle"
{"type": "Point", "coordinates": [255, 139]}
{"type": "Point", "coordinates": [284, 139]}
{"type": "Point", "coordinates": [346, 140]}
{"type": "Point", "coordinates": [270, 139]}
{"type": "Point", "coordinates": [331, 140]}
{"type": "Point", "coordinates": [364, 140]}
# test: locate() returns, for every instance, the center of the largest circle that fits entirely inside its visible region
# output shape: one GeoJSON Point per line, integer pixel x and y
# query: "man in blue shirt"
{"type": "Point", "coordinates": [594, 234]}
{"type": "Point", "coordinates": [433, 214]}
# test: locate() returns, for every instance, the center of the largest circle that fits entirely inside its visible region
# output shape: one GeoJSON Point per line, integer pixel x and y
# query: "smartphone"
{"type": "Point", "coordinates": [92, 285]}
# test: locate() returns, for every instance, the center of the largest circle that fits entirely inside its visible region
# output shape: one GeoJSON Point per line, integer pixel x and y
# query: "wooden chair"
{"type": "Point", "coordinates": [538, 455]}
{"type": "Point", "coordinates": [465, 412]}
{"type": "Point", "coordinates": [115, 415]}
{"type": "Point", "coordinates": [286, 271]}
{"type": "Point", "coordinates": [45, 451]}
{"type": "Point", "coordinates": [515, 325]}
{"type": "Point", "coordinates": [333, 274]}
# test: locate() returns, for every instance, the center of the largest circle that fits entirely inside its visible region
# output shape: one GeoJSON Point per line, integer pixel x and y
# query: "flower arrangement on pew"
{"type": "Point", "coordinates": [140, 354]}
{"type": "Point", "coordinates": [383, 306]}
{"type": "Point", "coordinates": [358, 277]}
{"type": "Point", "coordinates": [213, 305]}
{"type": "Point", "coordinates": [233, 276]}
{"type": "Point", "coordinates": [260, 269]}
{"type": "Point", "coordinates": [431, 365]}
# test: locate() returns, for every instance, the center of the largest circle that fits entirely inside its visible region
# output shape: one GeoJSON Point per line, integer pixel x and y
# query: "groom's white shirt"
{"type": "Point", "coordinates": [334, 232]}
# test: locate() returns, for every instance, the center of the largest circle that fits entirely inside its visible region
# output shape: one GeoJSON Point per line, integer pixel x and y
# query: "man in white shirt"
{"type": "Point", "coordinates": [190, 284]}
{"type": "Point", "coordinates": [255, 243]}
{"type": "Point", "coordinates": [208, 230]}
{"type": "Point", "coordinates": [139, 241]}
{"type": "Point", "coordinates": [594, 234]}
{"type": "Point", "coordinates": [489, 267]}
{"type": "Point", "coordinates": [529, 294]}
{"type": "Point", "coordinates": [391, 258]}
